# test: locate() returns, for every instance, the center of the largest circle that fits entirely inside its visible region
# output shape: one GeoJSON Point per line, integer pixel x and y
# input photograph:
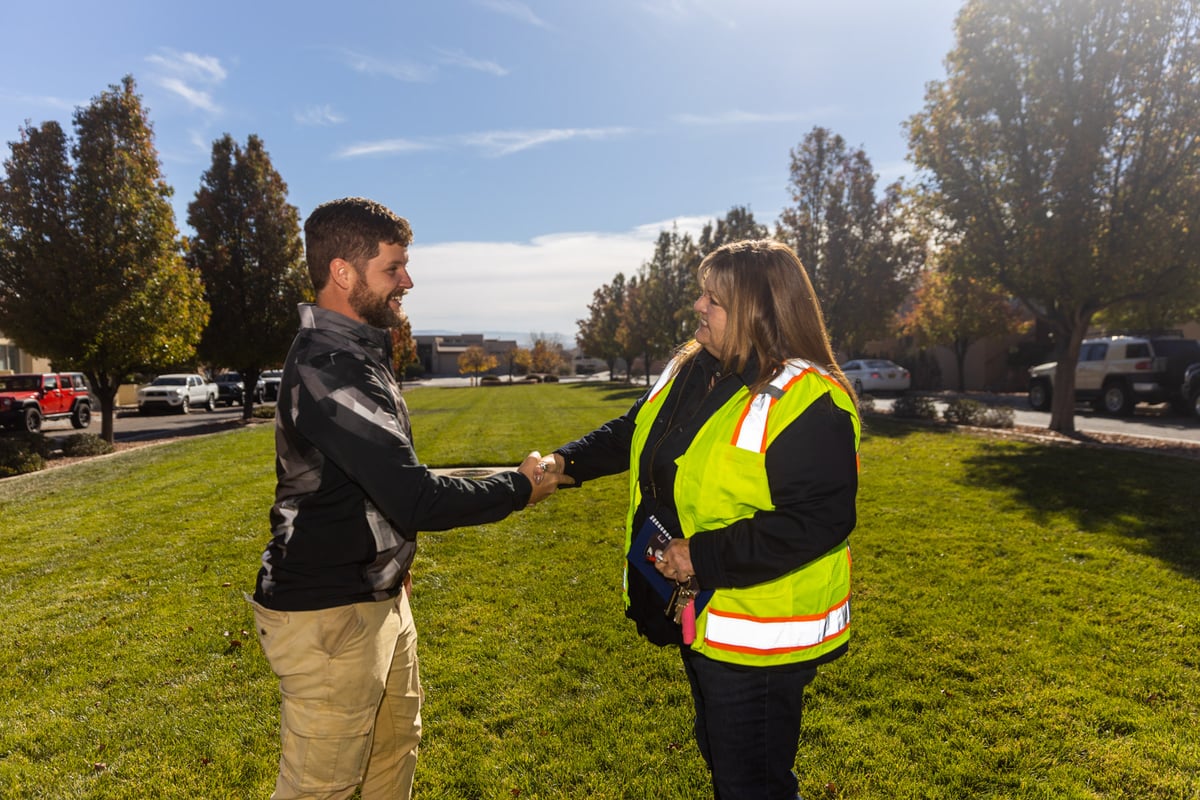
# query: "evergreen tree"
{"type": "Point", "coordinates": [248, 249]}
{"type": "Point", "coordinates": [89, 241]}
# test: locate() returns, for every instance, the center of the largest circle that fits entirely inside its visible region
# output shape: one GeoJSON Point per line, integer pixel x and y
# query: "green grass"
{"type": "Point", "coordinates": [1026, 623]}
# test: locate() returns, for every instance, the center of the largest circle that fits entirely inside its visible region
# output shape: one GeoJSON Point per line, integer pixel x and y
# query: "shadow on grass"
{"type": "Point", "coordinates": [1144, 497]}
{"type": "Point", "coordinates": [612, 391]}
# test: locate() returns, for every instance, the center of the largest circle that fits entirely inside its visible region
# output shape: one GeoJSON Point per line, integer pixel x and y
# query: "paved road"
{"type": "Point", "coordinates": [130, 426]}
{"type": "Point", "coordinates": [1152, 422]}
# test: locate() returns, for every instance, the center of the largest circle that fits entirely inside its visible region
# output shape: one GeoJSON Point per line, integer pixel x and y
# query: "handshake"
{"type": "Point", "coordinates": [545, 473]}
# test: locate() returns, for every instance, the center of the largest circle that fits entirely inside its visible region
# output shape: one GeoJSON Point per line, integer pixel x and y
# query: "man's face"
{"type": "Point", "coordinates": [379, 289]}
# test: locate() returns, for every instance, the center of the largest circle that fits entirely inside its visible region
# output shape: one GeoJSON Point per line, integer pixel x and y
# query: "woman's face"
{"type": "Point", "coordinates": [711, 331]}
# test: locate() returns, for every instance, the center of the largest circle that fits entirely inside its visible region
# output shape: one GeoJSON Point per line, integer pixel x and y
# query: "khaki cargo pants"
{"type": "Point", "coordinates": [351, 699]}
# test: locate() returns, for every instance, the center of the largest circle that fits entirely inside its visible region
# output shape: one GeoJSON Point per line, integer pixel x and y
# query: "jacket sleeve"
{"type": "Point", "coordinates": [812, 471]}
{"type": "Point", "coordinates": [356, 426]}
{"type": "Point", "coordinates": [604, 451]}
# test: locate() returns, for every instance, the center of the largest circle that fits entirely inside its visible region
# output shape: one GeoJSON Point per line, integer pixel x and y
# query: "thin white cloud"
{"type": "Point", "coordinates": [504, 143]}
{"type": "Point", "coordinates": [319, 115]}
{"type": "Point", "coordinates": [458, 58]}
{"type": "Point", "coordinates": [518, 11]}
{"type": "Point", "coordinates": [736, 117]}
{"type": "Point", "coordinates": [399, 70]}
{"type": "Point", "coordinates": [490, 143]}
{"type": "Point", "coordinates": [692, 10]}
{"type": "Point", "coordinates": [197, 98]}
{"type": "Point", "coordinates": [206, 69]}
{"type": "Point", "coordinates": [190, 76]}
{"type": "Point", "coordinates": [543, 285]}
{"type": "Point", "coordinates": [382, 147]}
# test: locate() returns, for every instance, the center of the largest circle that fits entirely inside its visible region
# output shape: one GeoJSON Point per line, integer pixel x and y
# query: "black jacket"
{"type": "Point", "coordinates": [351, 494]}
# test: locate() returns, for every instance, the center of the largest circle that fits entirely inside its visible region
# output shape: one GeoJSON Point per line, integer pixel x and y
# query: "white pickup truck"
{"type": "Point", "coordinates": [177, 392]}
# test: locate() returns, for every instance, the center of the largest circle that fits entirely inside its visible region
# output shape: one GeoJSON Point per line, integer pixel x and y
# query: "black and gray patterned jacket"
{"type": "Point", "coordinates": [351, 494]}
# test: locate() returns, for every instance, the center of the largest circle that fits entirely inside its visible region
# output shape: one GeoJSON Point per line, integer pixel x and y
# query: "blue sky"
{"type": "Point", "coordinates": [537, 147]}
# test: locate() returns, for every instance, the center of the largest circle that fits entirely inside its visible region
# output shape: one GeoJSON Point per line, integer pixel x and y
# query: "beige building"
{"type": "Point", "coordinates": [14, 359]}
{"type": "Point", "coordinates": [439, 354]}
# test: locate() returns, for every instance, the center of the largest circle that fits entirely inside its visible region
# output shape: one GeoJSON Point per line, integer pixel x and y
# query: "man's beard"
{"type": "Point", "coordinates": [374, 310]}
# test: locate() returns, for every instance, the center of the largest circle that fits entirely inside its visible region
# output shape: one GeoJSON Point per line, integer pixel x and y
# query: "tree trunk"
{"type": "Point", "coordinates": [961, 346]}
{"type": "Point", "coordinates": [1067, 342]}
{"type": "Point", "coordinates": [105, 390]}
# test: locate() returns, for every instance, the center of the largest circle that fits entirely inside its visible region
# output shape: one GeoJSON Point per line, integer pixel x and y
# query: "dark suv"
{"type": "Point", "coordinates": [28, 399]}
{"type": "Point", "coordinates": [1191, 388]}
{"type": "Point", "coordinates": [230, 389]}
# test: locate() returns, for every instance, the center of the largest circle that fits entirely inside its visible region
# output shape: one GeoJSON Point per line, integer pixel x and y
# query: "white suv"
{"type": "Point", "coordinates": [1116, 372]}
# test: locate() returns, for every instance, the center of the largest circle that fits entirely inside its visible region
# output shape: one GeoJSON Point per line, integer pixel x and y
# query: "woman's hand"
{"type": "Point", "coordinates": [676, 561]}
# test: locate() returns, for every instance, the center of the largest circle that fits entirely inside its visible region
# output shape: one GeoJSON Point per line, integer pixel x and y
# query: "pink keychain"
{"type": "Point", "coordinates": [688, 621]}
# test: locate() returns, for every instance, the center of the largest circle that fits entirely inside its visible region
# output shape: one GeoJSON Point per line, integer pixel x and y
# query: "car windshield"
{"type": "Point", "coordinates": [18, 383]}
{"type": "Point", "coordinates": [880, 364]}
{"type": "Point", "coordinates": [169, 381]}
{"type": "Point", "coordinates": [229, 377]}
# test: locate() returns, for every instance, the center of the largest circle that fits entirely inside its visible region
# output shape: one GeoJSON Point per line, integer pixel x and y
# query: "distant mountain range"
{"type": "Point", "coordinates": [522, 338]}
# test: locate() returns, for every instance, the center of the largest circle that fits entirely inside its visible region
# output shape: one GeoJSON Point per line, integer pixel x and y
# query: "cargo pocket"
{"type": "Point", "coordinates": [324, 748]}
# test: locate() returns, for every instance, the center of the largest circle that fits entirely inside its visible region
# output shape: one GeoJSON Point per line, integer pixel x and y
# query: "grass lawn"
{"type": "Point", "coordinates": [1026, 625]}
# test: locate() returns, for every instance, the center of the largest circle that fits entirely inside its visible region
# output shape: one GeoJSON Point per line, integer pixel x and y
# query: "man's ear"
{"type": "Point", "coordinates": [342, 273]}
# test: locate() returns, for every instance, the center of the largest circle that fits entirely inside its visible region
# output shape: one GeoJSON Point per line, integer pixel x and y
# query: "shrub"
{"type": "Point", "coordinates": [263, 412]}
{"type": "Point", "coordinates": [965, 411]}
{"type": "Point", "coordinates": [18, 455]}
{"type": "Point", "coordinates": [85, 444]}
{"type": "Point", "coordinates": [866, 403]}
{"type": "Point", "coordinates": [911, 406]}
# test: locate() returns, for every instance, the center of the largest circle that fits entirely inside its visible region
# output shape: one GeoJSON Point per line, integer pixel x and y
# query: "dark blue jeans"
{"type": "Point", "coordinates": [748, 726]}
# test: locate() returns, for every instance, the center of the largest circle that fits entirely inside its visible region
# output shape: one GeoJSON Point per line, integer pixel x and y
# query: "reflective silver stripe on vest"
{"type": "Point", "coordinates": [667, 374]}
{"type": "Point", "coordinates": [751, 432]}
{"type": "Point", "coordinates": [765, 636]}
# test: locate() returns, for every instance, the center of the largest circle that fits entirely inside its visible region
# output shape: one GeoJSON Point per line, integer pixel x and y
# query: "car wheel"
{"type": "Point", "coordinates": [81, 416]}
{"type": "Point", "coordinates": [210, 404]}
{"type": "Point", "coordinates": [858, 387]}
{"type": "Point", "coordinates": [1039, 395]}
{"type": "Point", "coordinates": [1196, 404]}
{"type": "Point", "coordinates": [185, 407]}
{"type": "Point", "coordinates": [1117, 399]}
{"type": "Point", "coordinates": [33, 419]}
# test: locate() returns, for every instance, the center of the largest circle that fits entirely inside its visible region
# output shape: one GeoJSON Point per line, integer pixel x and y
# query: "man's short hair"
{"type": "Point", "coordinates": [351, 229]}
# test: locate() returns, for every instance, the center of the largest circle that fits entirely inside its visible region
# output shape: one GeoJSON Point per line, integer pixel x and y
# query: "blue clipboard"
{"type": "Point", "coordinates": [651, 538]}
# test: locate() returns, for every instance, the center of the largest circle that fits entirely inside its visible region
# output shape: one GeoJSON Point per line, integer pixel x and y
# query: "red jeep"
{"type": "Point", "coordinates": [27, 400]}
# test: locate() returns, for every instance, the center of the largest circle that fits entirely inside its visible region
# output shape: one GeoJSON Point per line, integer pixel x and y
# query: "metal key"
{"type": "Point", "coordinates": [684, 592]}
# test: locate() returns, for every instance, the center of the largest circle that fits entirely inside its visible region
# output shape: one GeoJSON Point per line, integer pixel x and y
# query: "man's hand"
{"type": "Point", "coordinates": [544, 480]}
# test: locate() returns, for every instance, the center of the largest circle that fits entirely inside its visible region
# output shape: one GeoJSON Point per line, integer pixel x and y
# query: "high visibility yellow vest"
{"type": "Point", "coordinates": [721, 479]}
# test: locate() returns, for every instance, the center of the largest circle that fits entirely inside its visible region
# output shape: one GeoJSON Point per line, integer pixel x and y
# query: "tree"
{"type": "Point", "coordinates": [858, 250]}
{"type": "Point", "coordinates": [404, 349]}
{"type": "Point", "coordinates": [956, 310]}
{"type": "Point", "coordinates": [598, 333]}
{"type": "Point", "coordinates": [89, 241]}
{"type": "Point", "coordinates": [475, 361]}
{"type": "Point", "coordinates": [1062, 146]}
{"type": "Point", "coordinates": [637, 331]}
{"type": "Point", "coordinates": [738, 225]}
{"type": "Point", "coordinates": [520, 361]}
{"type": "Point", "coordinates": [249, 252]}
{"type": "Point", "coordinates": [669, 290]}
{"type": "Point", "coordinates": [546, 355]}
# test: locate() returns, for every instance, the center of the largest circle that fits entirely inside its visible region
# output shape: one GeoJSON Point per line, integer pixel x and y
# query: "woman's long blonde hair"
{"type": "Point", "coordinates": [771, 310]}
